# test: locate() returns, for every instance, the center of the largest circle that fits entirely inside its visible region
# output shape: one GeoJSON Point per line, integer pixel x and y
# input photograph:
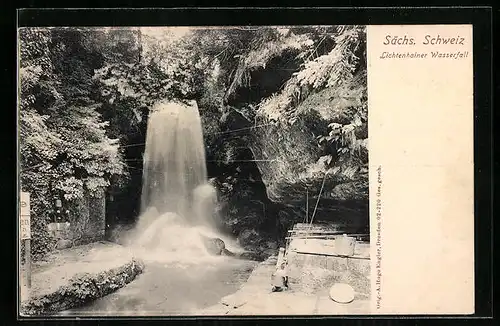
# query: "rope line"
{"type": "Point", "coordinates": [215, 133]}
{"type": "Point", "coordinates": [306, 218]}
{"type": "Point", "coordinates": [317, 202]}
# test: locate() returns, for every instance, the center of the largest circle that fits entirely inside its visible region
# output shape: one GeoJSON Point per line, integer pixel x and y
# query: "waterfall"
{"type": "Point", "coordinates": [174, 160]}
{"type": "Point", "coordinates": [177, 202]}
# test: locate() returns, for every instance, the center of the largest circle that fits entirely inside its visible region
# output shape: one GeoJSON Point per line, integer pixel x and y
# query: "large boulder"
{"type": "Point", "coordinates": [291, 161]}
{"type": "Point", "coordinates": [214, 246]}
{"type": "Point", "coordinates": [295, 165]}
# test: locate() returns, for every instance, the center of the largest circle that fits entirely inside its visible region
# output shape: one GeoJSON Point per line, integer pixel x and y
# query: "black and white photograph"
{"type": "Point", "coordinates": [193, 171]}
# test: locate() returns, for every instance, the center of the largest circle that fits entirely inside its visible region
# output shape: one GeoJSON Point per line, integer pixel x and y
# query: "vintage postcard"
{"type": "Point", "coordinates": [234, 170]}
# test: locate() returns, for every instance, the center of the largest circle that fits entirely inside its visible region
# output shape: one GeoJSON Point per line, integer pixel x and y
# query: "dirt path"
{"type": "Point", "coordinates": [173, 288]}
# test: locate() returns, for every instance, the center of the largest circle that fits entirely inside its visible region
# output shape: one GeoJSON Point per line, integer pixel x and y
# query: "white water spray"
{"type": "Point", "coordinates": [177, 203]}
{"type": "Point", "coordinates": [174, 159]}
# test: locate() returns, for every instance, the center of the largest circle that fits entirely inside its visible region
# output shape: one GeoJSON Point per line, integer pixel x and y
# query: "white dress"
{"type": "Point", "coordinates": [278, 278]}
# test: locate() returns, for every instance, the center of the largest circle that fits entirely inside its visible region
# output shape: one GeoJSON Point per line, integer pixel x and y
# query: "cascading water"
{"type": "Point", "coordinates": [181, 276]}
{"type": "Point", "coordinates": [174, 159]}
{"type": "Point", "coordinates": [177, 202]}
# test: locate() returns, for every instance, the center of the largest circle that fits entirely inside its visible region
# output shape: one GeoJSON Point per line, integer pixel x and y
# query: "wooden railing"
{"type": "Point", "coordinates": [320, 232]}
{"type": "Point", "coordinates": [304, 234]}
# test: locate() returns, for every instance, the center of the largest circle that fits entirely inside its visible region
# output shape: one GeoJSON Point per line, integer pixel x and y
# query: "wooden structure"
{"type": "Point", "coordinates": [321, 239]}
{"type": "Point", "coordinates": [322, 247]}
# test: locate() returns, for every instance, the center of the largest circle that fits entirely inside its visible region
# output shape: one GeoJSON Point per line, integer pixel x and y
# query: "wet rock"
{"type": "Point", "coordinates": [272, 245]}
{"type": "Point", "coordinates": [226, 252]}
{"type": "Point", "coordinates": [257, 255]}
{"type": "Point", "coordinates": [215, 246]}
{"type": "Point", "coordinates": [251, 255]}
{"type": "Point", "coordinates": [257, 245]}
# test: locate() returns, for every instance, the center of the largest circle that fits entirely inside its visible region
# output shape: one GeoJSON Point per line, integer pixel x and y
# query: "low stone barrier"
{"type": "Point", "coordinates": [311, 272]}
{"type": "Point", "coordinates": [80, 289]}
{"type": "Point", "coordinates": [71, 277]}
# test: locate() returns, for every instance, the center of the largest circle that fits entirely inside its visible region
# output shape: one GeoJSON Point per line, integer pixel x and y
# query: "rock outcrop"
{"type": "Point", "coordinates": [290, 160]}
{"type": "Point", "coordinates": [295, 165]}
{"type": "Point", "coordinates": [308, 139]}
{"type": "Point", "coordinates": [80, 289]}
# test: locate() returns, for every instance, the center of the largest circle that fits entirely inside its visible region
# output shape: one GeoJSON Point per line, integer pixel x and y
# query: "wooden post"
{"type": "Point", "coordinates": [307, 205]}
{"type": "Point", "coordinates": [25, 233]}
{"type": "Point", "coordinates": [27, 252]}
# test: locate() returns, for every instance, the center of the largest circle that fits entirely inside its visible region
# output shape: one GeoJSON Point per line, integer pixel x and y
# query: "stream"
{"type": "Point", "coordinates": [173, 288]}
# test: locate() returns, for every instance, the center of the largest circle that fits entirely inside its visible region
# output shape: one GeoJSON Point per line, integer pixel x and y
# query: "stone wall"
{"type": "Point", "coordinates": [86, 224]}
{"type": "Point", "coordinates": [311, 272]}
{"type": "Point", "coordinates": [97, 217]}
{"type": "Point", "coordinates": [89, 224]}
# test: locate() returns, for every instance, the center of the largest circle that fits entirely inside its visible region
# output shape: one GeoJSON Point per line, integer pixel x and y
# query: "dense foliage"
{"type": "Point", "coordinates": [65, 151]}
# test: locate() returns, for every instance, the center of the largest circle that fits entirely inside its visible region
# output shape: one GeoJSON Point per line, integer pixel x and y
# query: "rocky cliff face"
{"type": "Point", "coordinates": [290, 164]}
{"type": "Point", "coordinates": [295, 166]}
{"type": "Point", "coordinates": [308, 140]}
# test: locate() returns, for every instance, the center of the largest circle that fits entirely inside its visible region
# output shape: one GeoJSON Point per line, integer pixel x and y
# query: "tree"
{"type": "Point", "coordinates": [64, 147]}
